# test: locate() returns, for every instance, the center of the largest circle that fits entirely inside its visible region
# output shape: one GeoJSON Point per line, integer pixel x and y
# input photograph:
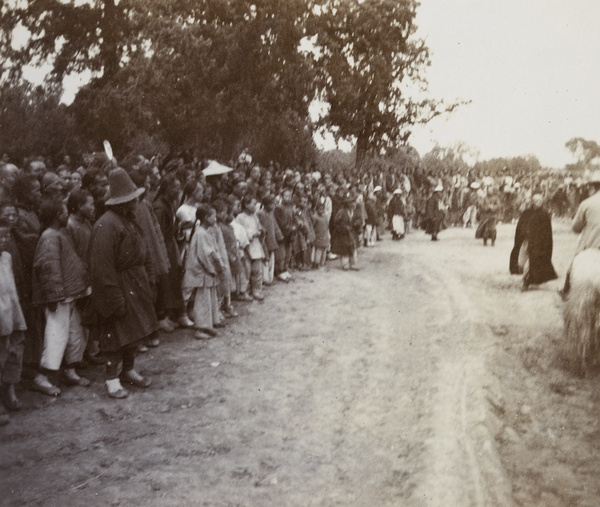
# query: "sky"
{"type": "Point", "coordinates": [531, 69]}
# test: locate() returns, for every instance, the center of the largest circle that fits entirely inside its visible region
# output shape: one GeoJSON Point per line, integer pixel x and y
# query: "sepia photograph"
{"type": "Point", "coordinates": [299, 253]}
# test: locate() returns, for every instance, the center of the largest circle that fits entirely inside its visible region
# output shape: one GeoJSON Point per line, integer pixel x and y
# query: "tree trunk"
{"type": "Point", "coordinates": [362, 147]}
{"type": "Point", "coordinates": [110, 52]}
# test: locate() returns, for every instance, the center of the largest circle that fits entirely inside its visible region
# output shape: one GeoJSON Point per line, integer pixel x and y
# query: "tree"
{"type": "Point", "coordinates": [367, 58]}
{"type": "Point", "coordinates": [210, 76]}
{"type": "Point", "coordinates": [584, 151]}
{"type": "Point", "coordinates": [70, 36]}
{"type": "Point", "coordinates": [33, 122]}
{"type": "Point", "coordinates": [446, 160]}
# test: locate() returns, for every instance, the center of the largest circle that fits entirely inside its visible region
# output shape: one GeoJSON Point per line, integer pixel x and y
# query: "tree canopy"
{"type": "Point", "coordinates": [214, 77]}
{"type": "Point", "coordinates": [366, 55]}
{"type": "Point", "coordinates": [584, 150]}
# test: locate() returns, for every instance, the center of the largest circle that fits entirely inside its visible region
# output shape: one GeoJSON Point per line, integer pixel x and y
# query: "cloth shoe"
{"type": "Point", "coordinates": [174, 324]}
{"type": "Point", "coordinates": [285, 276]}
{"type": "Point", "coordinates": [230, 312]}
{"type": "Point", "coordinates": [166, 325]}
{"type": "Point", "coordinates": [202, 335]}
{"type": "Point", "coordinates": [71, 378]}
{"type": "Point", "coordinates": [185, 321]}
{"type": "Point", "coordinates": [115, 389]}
{"type": "Point", "coordinates": [9, 397]}
{"type": "Point", "coordinates": [142, 349]}
{"type": "Point", "coordinates": [43, 385]}
{"type": "Point", "coordinates": [258, 295]}
{"type": "Point", "coordinates": [155, 342]}
{"type": "Point", "coordinates": [134, 378]}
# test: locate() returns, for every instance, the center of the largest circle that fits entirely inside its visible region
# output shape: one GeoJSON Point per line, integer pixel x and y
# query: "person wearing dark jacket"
{"type": "Point", "coordinates": [284, 215]}
{"type": "Point", "coordinates": [434, 213]}
{"type": "Point", "coordinates": [273, 236]}
{"type": "Point", "coordinates": [343, 237]}
{"type": "Point", "coordinates": [121, 292]}
{"type": "Point", "coordinates": [170, 307]}
{"type": "Point", "coordinates": [59, 281]}
{"type": "Point", "coordinates": [532, 251]}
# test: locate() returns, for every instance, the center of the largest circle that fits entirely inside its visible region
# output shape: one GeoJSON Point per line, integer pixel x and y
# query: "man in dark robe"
{"type": "Point", "coordinates": [121, 293]}
{"type": "Point", "coordinates": [434, 213]}
{"type": "Point", "coordinates": [532, 252]}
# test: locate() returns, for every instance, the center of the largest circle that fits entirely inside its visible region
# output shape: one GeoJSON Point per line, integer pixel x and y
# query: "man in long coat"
{"type": "Point", "coordinates": [121, 292]}
{"type": "Point", "coordinates": [434, 213]}
{"type": "Point", "coordinates": [535, 252]}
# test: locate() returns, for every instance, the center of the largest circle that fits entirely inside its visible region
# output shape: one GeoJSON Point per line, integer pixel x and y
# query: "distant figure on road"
{"type": "Point", "coordinates": [343, 237]}
{"type": "Point", "coordinates": [434, 213]}
{"type": "Point", "coordinates": [532, 251]}
{"type": "Point", "coordinates": [397, 211]}
{"type": "Point", "coordinates": [490, 208]}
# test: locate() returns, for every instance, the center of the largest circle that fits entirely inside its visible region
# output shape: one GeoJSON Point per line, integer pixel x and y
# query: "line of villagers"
{"type": "Point", "coordinates": [95, 262]}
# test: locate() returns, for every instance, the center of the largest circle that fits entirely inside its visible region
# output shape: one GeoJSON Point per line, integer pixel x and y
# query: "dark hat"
{"type": "Point", "coordinates": [267, 200]}
{"type": "Point", "coordinates": [348, 198]}
{"type": "Point", "coordinates": [121, 188]}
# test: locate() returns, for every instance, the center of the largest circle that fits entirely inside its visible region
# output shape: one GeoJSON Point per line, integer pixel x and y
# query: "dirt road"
{"type": "Point", "coordinates": [402, 384]}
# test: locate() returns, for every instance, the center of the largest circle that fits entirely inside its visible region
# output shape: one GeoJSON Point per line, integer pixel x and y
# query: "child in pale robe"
{"type": "Point", "coordinates": [203, 267]}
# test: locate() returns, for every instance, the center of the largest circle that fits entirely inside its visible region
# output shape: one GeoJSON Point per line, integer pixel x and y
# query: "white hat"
{"type": "Point", "coordinates": [377, 189]}
{"type": "Point", "coordinates": [439, 188]}
{"type": "Point", "coordinates": [475, 185]}
{"type": "Point", "coordinates": [398, 191]}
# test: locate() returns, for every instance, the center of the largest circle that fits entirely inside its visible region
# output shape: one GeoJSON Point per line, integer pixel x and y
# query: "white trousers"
{"type": "Point", "coordinates": [63, 337]}
{"type": "Point", "coordinates": [269, 268]}
{"type": "Point", "coordinates": [398, 224]}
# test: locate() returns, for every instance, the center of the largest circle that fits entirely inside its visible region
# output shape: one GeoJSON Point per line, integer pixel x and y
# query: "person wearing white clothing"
{"type": "Point", "coordinates": [254, 253]}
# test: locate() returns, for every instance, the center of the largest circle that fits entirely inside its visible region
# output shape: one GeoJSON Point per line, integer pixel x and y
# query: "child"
{"type": "Point", "coordinates": [307, 230]}
{"type": "Point", "coordinates": [59, 280]}
{"type": "Point", "coordinates": [203, 267]}
{"type": "Point", "coordinates": [224, 220]}
{"type": "Point", "coordinates": [224, 286]}
{"type": "Point", "coordinates": [273, 237]}
{"type": "Point", "coordinates": [241, 280]}
{"type": "Point", "coordinates": [321, 227]}
{"type": "Point", "coordinates": [254, 253]}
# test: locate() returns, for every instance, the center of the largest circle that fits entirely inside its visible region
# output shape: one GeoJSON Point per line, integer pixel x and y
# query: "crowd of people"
{"type": "Point", "coordinates": [96, 261]}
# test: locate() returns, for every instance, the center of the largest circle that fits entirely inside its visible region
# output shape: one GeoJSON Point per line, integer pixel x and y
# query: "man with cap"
{"type": "Point", "coordinates": [396, 211]}
{"type": "Point", "coordinates": [121, 291]}
{"type": "Point", "coordinates": [587, 223]}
